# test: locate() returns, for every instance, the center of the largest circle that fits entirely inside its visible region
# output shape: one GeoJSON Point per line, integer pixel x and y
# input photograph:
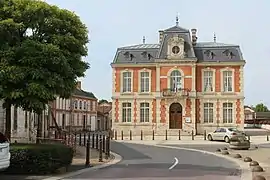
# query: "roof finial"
{"type": "Point", "coordinates": [177, 20]}
{"type": "Point", "coordinates": [143, 40]}
{"type": "Point", "coordinates": [215, 38]}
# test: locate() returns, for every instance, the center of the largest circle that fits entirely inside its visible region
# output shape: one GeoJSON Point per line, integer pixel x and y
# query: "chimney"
{"type": "Point", "coordinates": [161, 34]}
{"type": "Point", "coordinates": [79, 85]}
{"type": "Point", "coordinates": [194, 36]}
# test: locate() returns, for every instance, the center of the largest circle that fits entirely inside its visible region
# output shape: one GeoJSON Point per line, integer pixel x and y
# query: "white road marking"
{"type": "Point", "coordinates": [174, 164]}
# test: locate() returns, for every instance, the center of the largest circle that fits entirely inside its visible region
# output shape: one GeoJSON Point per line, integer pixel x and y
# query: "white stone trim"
{"type": "Point", "coordinates": [214, 101]}
{"type": "Point", "coordinates": [121, 80]}
{"type": "Point", "coordinates": [158, 79]}
{"type": "Point", "coordinates": [121, 108]}
{"type": "Point", "coordinates": [221, 101]}
{"type": "Point", "coordinates": [169, 76]}
{"type": "Point", "coordinates": [222, 78]}
{"type": "Point", "coordinates": [241, 81]}
{"type": "Point", "coordinates": [113, 79]}
{"type": "Point", "coordinates": [214, 79]}
{"type": "Point", "coordinates": [242, 113]}
{"type": "Point", "coordinates": [139, 101]}
{"type": "Point", "coordinates": [150, 80]}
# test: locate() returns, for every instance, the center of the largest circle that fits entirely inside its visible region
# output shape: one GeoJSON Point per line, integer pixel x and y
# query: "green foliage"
{"type": "Point", "coordinates": [260, 108]}
{"type": "Point", "coordinates": [41, 50]}
{"type": "Point", "coordinates": [103, 101]}
{"type": "Point", "coordinates": [39, 158]}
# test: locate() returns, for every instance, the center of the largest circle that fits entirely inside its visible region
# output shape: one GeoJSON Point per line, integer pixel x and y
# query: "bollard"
{"type": "Point", "coordinates": [267, 138]}
{"type": "Point", "coordinates": [192, 135]}
{"type": "Point", "coordinates": [84, 139]}
{"type": "Point", "coordinates": [179, 135]}
{"type": "Point", "coordinates": [100, 149]}
{"type": "Point", "coordinates": [115, 135]}
{"type": "Point", "coordinates": [141, 135]}
{"type": "Point", "coordinates": [153, 138]}
{"type": "Point", "coordinates": [166, 134]}
{"type": "Point", "coordinates": [96, 141]}
{"type": "Point", "coordinates": [107, 147]}
{"type": "Point", "coordinates": [249, 138]}
{"type": "Point", "coordinates": [93, 140]}
{"type": "Point", "coordinates": [87, 158]}
{"type": "Point", "coordinates": [89, 136]}
{"type": "Point", "coordinates": [55, 134]}
{"type": "Point", "coordinates": [204, 135]}
{"type": "Point", "coordinates": [122, 135]}
{"type": "Point", "coordinates": [103, 143]}
{"type": "Point", "coordinates": [75, 140]}
{"type": "Point", "coordinates": [130, 135]}
{"type": "Point", "coordinates": [80, 139]}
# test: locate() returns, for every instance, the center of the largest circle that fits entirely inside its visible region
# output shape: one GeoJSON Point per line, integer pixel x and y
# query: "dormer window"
{"type": "Point", "coordinates": [131, 56]}
{"type": "Point", "coordinates": [210, 54]}
{"type": "Point", "coordinates": [149, 56]}
{"type": "Point", "coordinates": [126, 54]}
{"type": "Point", "coordinates": [228, 53]}
{"type": "Point", "coordinates": [144, 54]}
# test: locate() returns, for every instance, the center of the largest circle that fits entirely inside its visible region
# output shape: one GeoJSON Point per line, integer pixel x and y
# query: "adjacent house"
{"type": "Point", "coordinates": [79, 112]}
{"type": "Point", "coordinates": [104, 118]}
{"type": "Point", "coordinates": [177, 84]}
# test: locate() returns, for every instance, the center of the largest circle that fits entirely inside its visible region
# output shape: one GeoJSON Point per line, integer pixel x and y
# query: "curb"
{"type": "Point", "coordinates": [117, 159]}
{"type": "Point", "coordinates": [245, 169]}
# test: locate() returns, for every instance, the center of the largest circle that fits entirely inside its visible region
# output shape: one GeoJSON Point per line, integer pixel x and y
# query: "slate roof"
{"type": "Point", "coordinates": [82, 93]}
{"type": "Point", "coordinates": [202, 51]}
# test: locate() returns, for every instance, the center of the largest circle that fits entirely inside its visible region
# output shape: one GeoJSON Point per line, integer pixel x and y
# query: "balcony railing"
{"type": "Point", "coordinates": [175, 92]}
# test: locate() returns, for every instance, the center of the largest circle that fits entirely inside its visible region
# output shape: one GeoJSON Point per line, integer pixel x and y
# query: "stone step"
{"type": "Point", "coordinates": [172, 132]}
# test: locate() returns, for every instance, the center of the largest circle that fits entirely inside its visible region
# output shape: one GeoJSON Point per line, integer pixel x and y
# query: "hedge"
{"type": "Point", "coordinates": [39, 158]}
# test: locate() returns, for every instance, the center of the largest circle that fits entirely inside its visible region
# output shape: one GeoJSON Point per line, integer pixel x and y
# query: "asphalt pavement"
{"type": "Point", "coordinates": [143, 162]}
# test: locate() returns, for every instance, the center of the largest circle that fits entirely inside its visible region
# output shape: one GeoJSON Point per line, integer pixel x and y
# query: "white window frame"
{"type": "Point", "coordinates": [122, 81]}
{"type": "Point", "coordinates": [144, 112]}
{"type": "Point", "coordinates": [228, 116]}
{"type": "Point", "coordinates": [222, 82]}
{"type": "Point", "coordinates": [126, 112]}
{"type": "Point", "coordinates": [170, 78]}
{"type": "Point", "coordinates": [208, 112]}
{"type": "Point", "coordinates": [204, 71]}
{"type": "Point", "coordinates": [141, 90]}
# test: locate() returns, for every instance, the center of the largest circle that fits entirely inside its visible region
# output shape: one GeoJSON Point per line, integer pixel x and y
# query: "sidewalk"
{"type": "Point", "coordinates": [261, 155]}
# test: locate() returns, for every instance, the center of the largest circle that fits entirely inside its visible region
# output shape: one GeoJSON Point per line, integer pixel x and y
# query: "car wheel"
{"type": "Point", "coordinates": [210, 138]}
{"type": "Point", "coordinates": [226, 139]}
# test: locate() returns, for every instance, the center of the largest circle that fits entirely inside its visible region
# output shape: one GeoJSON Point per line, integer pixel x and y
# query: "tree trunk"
{"type": "Point", "coordinates": [39, 128]}
{"type": "Point", "coordinates": [8, 120]}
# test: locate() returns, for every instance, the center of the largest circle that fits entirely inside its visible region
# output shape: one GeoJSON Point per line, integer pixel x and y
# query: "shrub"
{"type": "Point", "coordinates": [39, 158]}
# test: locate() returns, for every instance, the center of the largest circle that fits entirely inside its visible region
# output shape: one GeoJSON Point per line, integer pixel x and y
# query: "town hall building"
{"type": "Point", "coordinates": [177, 84]}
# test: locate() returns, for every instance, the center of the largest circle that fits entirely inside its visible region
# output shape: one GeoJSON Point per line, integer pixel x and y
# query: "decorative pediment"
{"type": "Point", "coordinates": [176, 40]}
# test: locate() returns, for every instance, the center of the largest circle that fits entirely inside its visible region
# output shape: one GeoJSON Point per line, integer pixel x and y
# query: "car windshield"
{"type": "Point", "coordinates": [233, 130]}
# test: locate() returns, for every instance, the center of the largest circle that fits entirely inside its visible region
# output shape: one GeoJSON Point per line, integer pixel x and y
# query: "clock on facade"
{"type": "Point", "coordinates": [175, 49]}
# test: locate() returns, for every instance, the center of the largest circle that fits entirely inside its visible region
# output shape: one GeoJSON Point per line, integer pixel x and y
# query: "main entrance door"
{"type": "Point", "coordinates": [175, 116]}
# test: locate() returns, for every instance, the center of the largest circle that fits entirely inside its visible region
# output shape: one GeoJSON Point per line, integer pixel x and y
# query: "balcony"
{"type": "Point", "coordinates": [179, 93]}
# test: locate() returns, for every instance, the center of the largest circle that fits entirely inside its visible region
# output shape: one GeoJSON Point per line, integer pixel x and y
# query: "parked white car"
{"type": "Point", "coordinates": [4, 152]}
{"type": "Point", "coordinates": [225, 134]}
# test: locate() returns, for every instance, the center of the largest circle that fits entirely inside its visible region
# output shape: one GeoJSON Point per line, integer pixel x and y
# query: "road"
{"type": "Point", "coordinates": [143, 162]}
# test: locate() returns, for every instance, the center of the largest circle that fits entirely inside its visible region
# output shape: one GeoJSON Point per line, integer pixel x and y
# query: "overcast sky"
{"type": "Point", "coordinates": [114, 23]}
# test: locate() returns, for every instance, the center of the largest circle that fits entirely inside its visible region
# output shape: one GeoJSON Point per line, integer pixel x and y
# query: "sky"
{"type": "Point", "coordinates": [116, 23]}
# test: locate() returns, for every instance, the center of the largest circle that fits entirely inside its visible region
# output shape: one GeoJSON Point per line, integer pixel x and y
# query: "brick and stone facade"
{"type": "Point", "coordinates": [178, 84]}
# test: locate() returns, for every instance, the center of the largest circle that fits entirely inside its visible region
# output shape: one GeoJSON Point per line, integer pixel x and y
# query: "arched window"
{"type": "Point", "coordinates": [175, 80]}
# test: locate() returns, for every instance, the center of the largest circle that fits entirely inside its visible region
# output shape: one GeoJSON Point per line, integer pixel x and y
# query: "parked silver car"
{"type": "Point", "coordinates": [225, 134]}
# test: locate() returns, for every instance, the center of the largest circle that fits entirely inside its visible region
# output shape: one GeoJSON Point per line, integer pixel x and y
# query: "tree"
{"type": "Point", "coordinates": [41, 50]}
{"type": "Point", "coordinates": [260, 108]}
{"type": "Point", "coordinates": [103, 101]}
